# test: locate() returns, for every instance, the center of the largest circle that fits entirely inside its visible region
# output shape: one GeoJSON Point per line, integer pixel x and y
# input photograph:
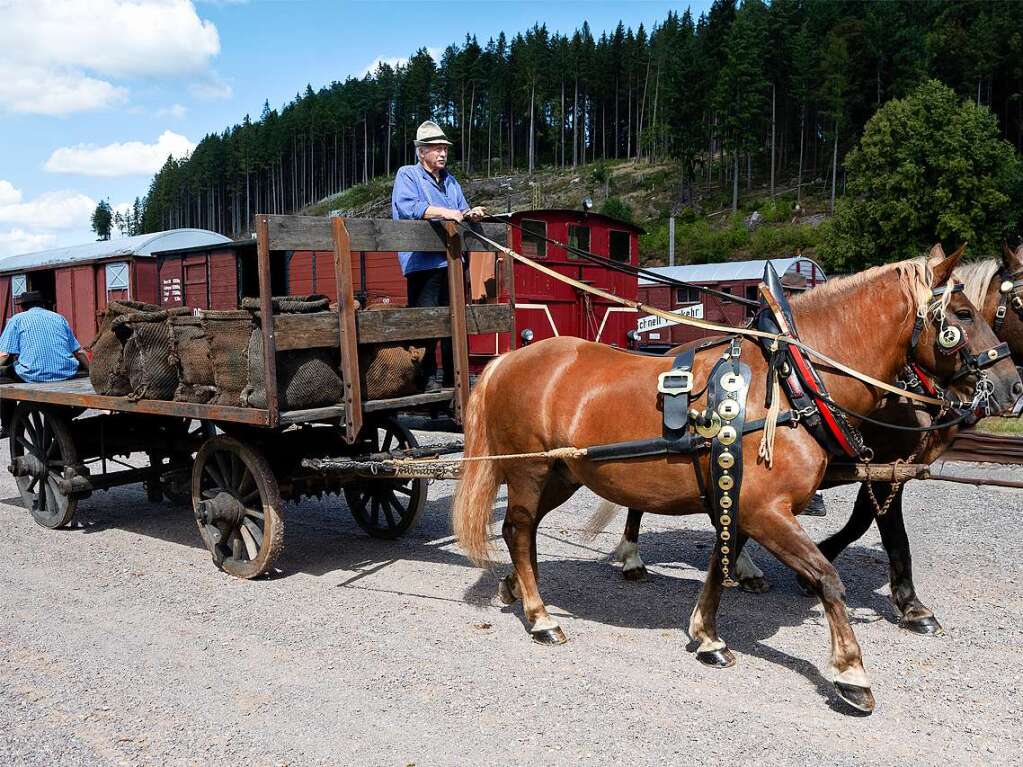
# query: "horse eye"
{"type": "Point", "coordinates": [965, 314]}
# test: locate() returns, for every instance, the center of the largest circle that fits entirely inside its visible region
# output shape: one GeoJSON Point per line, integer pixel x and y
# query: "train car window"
{"type": "Point", "coordinates": [117, 276]}
{"type": "Point", "coordinates": [687, 296]}
{"type": "Point", "coordinates": [751, 292]}
{"type": "Point", "coordinates": [533, 232]}
{"type": "Point", "coordinates": [725, 289]}
{"type": "Point", "coordinates": [618, 245]}
{"type": "Point", "coordinates": [578, 237]}
{"type": "Point", "coordinates": [19, 284]}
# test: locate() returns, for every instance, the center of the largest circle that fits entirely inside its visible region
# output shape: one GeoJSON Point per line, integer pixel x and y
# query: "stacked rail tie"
{"type": "Point", "coordinates": [216, 357]}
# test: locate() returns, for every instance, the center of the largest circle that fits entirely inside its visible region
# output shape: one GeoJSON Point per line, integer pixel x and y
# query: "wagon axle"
{"type": "Point", "coordinates": [223, 508]}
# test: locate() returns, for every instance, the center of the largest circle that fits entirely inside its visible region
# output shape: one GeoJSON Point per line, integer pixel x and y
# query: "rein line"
{"type": "Point", "coordinates": [703, 324]}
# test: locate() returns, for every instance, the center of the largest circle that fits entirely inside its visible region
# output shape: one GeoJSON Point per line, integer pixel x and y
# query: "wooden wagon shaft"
{"type": "Point", "coordinates": [947, 471]}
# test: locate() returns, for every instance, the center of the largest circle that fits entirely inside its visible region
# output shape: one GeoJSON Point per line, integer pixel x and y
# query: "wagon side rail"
{"type": "Point", "coordinates": [349, 328]}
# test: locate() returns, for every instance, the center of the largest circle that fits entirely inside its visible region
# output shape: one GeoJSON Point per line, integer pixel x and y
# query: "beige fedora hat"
{"type": "Point", "coordinates": [430, 133]}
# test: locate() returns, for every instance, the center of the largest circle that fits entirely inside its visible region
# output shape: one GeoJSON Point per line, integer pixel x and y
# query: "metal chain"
{"type": "Point", "coordinates": [880, 510]}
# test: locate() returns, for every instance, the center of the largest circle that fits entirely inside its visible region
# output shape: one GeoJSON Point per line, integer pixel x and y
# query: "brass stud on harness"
{"type": "Point", "coordinates": [725, 520]}
{"type": "Point", "coordinates": [725, 482]}
{"type": "Point", "coordinates": [725, 502]}
{"type": "Point", "coordinates": [950, 337]}
{"type": "Point", "coordinates": [725, 535]}
{"type": "Point", "coordinates": [724, 549]}
{"type": "Point", "coordinates": [726, 460]}
{"type": "Point", "coordinates": [1006, 287]}
{"type": "Point", "coordinates": [727, 435]}
{"type": "Point", "coordinates": [728, 409]}
{"type": "Point", "coordinates": [731, 382]}
{"type": "Point", "coordinates": [708, 425]}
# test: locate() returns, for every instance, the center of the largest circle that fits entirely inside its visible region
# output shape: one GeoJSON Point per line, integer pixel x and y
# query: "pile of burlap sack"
{"type": "Point", "coordinates": [216, 358]}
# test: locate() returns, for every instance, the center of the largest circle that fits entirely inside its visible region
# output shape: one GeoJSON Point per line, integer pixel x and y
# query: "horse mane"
{"type": "Point", "coordinates": [976, 278]}
{"type": "Point", "coordinates": [914, 276]}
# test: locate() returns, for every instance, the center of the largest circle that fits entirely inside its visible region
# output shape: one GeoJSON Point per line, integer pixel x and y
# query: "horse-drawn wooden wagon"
{"type": "Point", "coordinates": [239, 463]}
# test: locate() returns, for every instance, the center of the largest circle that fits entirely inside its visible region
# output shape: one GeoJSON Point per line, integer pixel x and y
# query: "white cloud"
{"type": "Point", "coordinates": [40, 90]}
{"type": "Point", "coordinates": [212, 87]}
{"type": "Point", "coordinates": [8, 194]}
{"type": "Point", "coordinates": [176, 111]}
{"type": "Point", "coordinates": [64, 209]}
{"type": "Point", "coordinates": [59, 56]}
{"type": "Point", "coordinates": [18, 241]}
{"type": "Point", "coordinates": [119, 159]}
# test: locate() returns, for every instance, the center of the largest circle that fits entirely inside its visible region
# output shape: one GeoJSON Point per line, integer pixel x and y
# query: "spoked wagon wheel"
{"type": "Point", "coordinates": [237, 507]}
{"type": "Point", "coordinates": [41, 446]}
{"type": "Point", "coordinates": [386, 508]}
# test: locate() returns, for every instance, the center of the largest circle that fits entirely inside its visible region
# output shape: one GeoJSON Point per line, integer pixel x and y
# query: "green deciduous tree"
{"type": "Point", "coordinates": [102, 220]}
{"type": "Point", "coordinates": [928, 167]}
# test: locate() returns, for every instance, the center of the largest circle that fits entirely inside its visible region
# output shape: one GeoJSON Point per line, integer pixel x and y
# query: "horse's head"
{"type": "Point", "coordinates": [956, 346]}
{"type": "Point", "coordinates": [1008, 285]}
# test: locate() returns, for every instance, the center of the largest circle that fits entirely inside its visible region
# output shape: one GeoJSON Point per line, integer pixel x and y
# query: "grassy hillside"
{"type": "Point", "coordinates": [705, 230]}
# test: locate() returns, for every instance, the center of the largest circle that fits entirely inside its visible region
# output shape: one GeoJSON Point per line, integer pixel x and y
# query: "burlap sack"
{"type": "Point", "coordinates": [227, 333]}
{"type": "Point", "coordinates": [306, 378]}
{"type": "Point", "coordinates": [147, 354]}
{"type": "Point", "coordinates": [106, 368]}
{"type": "Point", "coordinates": [290, 304]}
{"type": "Point", "coordinates": [191, 353]}
{"type": "Point", "coordinates": [390, 370]}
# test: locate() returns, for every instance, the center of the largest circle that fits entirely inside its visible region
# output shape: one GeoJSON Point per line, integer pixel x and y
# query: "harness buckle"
{"type": "Point", "coordinates": [1000, 311]}
{"type": "Point", "coordinates": [675, 382]}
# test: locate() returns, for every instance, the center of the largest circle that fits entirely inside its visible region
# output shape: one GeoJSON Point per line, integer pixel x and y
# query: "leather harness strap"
{"type": "Point", "coordinates": [674, 387]}
{"type": "Point", "coordinates": [1007, 296]}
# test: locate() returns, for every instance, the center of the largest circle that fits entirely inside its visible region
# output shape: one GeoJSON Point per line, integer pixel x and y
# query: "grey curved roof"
{"type": "Point", "coordinates": [139, 245]}
{"type": "Point", "coordinates": [729, 271]}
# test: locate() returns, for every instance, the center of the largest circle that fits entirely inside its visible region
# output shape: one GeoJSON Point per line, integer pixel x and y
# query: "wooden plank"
{"type": "Point", "coordinates": [79, 393]}
{"type": "Point", "coordinates": [267, 320]}
{"type": "Point", "coordinates": [319, 330]}
{"type": "Point", "coordinates": [509, 277]}
{"type": "Point", "coordinates": [348, 343]}
{"type": "Point", "coordinates": [373, 234]}
{"type": "Point", "coordinates": [459, 338]}
{"type": "Point", "coordinates": [313, 414]}
{"type": "Point", "coordinates": [412, 401]}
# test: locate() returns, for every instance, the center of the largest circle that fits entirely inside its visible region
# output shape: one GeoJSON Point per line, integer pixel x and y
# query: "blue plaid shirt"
{"type": "Point", "coordinates": [44, 343]}
{"type": "Point", "coordinates": [414, 191]}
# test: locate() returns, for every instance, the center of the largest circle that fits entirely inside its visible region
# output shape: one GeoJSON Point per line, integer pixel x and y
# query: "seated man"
{"type": "Point", "coordinates": [45, 347]}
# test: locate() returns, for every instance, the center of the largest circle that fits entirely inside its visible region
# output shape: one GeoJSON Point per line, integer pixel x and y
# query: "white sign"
{"type": "Point", "coordinates": [653, 322]}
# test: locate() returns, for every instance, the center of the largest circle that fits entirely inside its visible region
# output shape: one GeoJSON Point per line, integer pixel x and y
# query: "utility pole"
{"type": "Point", "coordinates": [671, 241]}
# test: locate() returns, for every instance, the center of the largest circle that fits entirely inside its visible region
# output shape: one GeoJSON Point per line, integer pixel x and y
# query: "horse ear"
{"type": "Point", "coordinates": [1012, 259]}
{"type": "Point", "coordinates": [941, 266]}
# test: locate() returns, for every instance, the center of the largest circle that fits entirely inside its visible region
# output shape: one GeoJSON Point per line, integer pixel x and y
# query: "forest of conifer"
{"type": "Point", "coordinates": [750, 89]}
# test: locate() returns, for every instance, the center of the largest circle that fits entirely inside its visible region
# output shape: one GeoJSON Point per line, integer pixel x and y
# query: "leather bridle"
{"type": "Point", "coordinates": [1008, 295]}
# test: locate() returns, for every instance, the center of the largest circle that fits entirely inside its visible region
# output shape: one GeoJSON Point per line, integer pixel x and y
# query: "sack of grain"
{"type": "Point", "coordinates": [191, 351]}
{"type": "Point", "coordinates": [107, 371]}
{"type": "Point", "coordinates": [227, 333]}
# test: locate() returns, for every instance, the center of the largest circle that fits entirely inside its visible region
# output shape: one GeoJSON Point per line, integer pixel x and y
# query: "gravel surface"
{"type": "Point", "coordinates": [120, 643]}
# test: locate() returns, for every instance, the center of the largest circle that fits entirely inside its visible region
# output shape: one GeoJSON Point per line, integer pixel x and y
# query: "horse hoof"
{"type": "Point", "coordinates": [550, 636]}
{"type": "Point", "coordinates": [860, 698]}
{"type": "Point", "coordinates": [505, 593]}
{"type": "Point", "coordinates": [723, 658]}
{"type": "Point", "coordinates": [635, 574]}
{"type": "Point", "coordinates": [926, 626]}
{"type": "Point", "coordinates": [755, 585]}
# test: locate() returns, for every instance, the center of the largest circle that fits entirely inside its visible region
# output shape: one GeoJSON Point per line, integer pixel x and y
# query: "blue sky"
{"type": "Point", "coordinates": [94, 98]}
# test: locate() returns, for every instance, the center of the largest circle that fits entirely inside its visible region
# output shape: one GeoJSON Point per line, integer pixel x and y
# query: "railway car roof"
{"type": "Point", "coordinates": [139, 245]}
{"type": "Point", "coordinates": [732, 271]}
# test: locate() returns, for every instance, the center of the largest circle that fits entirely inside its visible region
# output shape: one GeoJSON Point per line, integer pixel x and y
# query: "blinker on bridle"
{"type": "Point", "coordinates": [1008, 295]}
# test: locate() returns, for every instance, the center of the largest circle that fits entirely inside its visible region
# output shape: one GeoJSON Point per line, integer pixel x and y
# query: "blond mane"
{"type": "Point", "coordinates": [914, 275]}
{"type": "Point", "coordinates": [976, 278]}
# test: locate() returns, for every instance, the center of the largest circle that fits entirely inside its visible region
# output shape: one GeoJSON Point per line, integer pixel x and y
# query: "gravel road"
{"type": "Point", "coordinates": [121, 644]}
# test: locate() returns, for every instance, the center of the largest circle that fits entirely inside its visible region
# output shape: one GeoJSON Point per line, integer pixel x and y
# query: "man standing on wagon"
{"type": "Point", "coordinates": [427, 191]}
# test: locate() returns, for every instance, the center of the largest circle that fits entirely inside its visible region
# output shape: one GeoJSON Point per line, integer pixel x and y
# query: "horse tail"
{"type": "Point", "coordinates": [601, 518]}
{"type": "Point", "coordinates": [478, 486]}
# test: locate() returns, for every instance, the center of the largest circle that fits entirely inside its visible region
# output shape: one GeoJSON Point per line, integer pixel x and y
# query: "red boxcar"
{"type": "Point", "coordinates": [81, 279]}
{"type": "Point", "coordinates": [740, 278]}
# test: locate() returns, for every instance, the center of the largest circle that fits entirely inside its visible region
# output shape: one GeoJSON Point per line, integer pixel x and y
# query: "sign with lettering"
{"type": "Point", "coordinates": [652, 322]}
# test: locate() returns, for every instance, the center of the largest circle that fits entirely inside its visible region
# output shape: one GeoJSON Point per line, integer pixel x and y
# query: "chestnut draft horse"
{"type": "Point", "coordinates": [565, 392]}
{"type": "Point", "coordinates": [995, 288]}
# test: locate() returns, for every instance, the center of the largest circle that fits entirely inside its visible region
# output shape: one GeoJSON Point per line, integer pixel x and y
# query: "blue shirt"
{"type": "Point", "coordinates": [44, 343]}
{"type": "Point", "coordinates": [414, 191]}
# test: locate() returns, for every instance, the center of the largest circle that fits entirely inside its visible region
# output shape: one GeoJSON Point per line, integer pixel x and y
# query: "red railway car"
{"type": "Point", "coordinates": [81, 279]}
{"type": "Point", "coordinates": [739, 278]}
